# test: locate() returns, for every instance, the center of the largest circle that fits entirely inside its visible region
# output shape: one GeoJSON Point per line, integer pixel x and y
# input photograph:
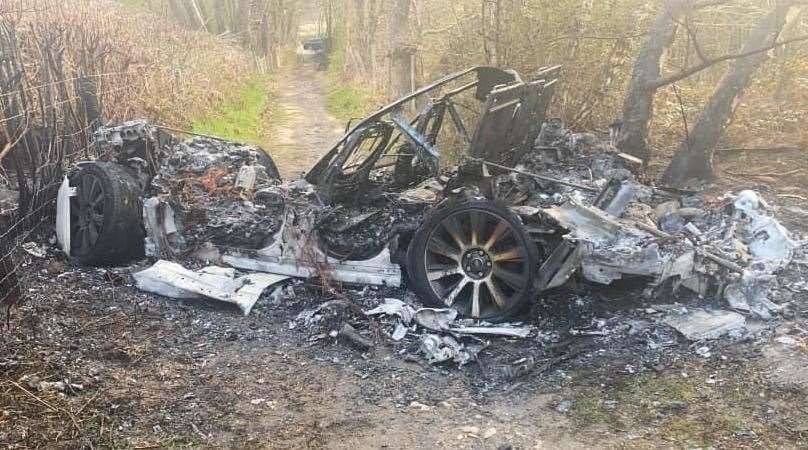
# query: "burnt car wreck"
{"type": "Point", "coordinates": [464, 188]}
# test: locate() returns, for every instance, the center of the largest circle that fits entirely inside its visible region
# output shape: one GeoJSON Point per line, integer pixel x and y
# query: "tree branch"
{"type": "Point", "coordinates": [684, 115]}
{"type": "Point", "coordinates": [11, 144]}
{"type": "Point", "coordinates": [713, 61]}
{"type": "Point", "coordinates": [449, 27]}
{"type": "Point", "coordinates": [708, 3]}
{"type": "Point", "coordinates": [595, 37]}
{"type": "Point", "coordinates": [694, 40]}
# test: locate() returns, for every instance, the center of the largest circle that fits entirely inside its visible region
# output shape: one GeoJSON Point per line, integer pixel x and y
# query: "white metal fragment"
{"type": "Point", "coordinates": [750, 294]}
{"type": "Point", "coordinates": [438, 349]}
{"type": "Point", "coordinates": [34, 249]}
{"type": "Point", "coordinates": [399, 332]}
{"type": "Point", "coordinates": [246, 178]}
{"type": "Point", "coordinates": [435, 319]}
{"type": "Point", "coordinates": [162, 233]}
{"type": "Point", "coordinates": [586, 223]}
{"type": "Point", "coordinates": [63, 214]}
{"type": "Point", "coordinates": [767, 239]}
{"type": "Point", "coordinates": [394, 307]}
{"type": "Point", "coordinates": [706, 324]}
{"type": "Point", "coordinates": [170, 279]}
{"type": "Point", "coordinates": [520, 332]}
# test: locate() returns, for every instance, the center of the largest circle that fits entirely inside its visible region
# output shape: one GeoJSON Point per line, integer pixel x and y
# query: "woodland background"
{"type": "Point", "coordinates": [177, 60]}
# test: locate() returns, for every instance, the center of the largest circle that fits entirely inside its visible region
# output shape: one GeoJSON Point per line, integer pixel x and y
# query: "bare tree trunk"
{"type": "Point", "coordinates": [329, 21]}
{"type": "Point", "coordinates": [241, 21]}
{"type": "Point", "coordinates": [199, 15]}
{"type": "Point", "coordinates": [694, 156]}
{"type": "Point", "coordinates": [220, 15]}
{"type": "Point", "coordinates": [786, 78]}
{"type": "Point", "coordinates": [371, 24]}
{"type": "Point", "coordinates": [400, 50]}
{"type": "Point", "coordinates": [638, 107]}
{"type": "Point", "coordinates": [194, 21]}
{"type": "Point", "coordinates": [181, 14]}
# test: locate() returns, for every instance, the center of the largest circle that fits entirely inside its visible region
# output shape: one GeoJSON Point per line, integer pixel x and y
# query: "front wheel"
{"type": "Point", "coordinates": [105, 215]}
{"type": "Point", "coordinates": [474, 257]}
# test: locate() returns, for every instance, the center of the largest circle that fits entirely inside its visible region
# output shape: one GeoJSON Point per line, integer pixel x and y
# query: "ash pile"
{"type": "Point", "coordinates": [727, 248]}
{"type": "Point", "coordinates": [708, 264]}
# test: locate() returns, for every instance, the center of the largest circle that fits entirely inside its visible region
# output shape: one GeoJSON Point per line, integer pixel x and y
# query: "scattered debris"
{"type": "Point", "coordinates": [34, 249]}
{"type": "Point", "coordinates": [435, 319]}
{"type": "Point", "coordinates": [520, 332]}
{"type": "Point", "coordinates": [706, 324]}
{"type": "Point", "coordinates": [394, 307]}
{"type": "Point", "coordinates": [438, 349]}
{"type": "Point", "coordinates": [519, 368]}
{"type": "Point", "coordinates": [420, 406]}
{"type": "Point", "coordinates": [172, 280]}
{"type": "Point", "coordinates": [564, 406]}
{"type": "Point", "coordinates": [349, 335]}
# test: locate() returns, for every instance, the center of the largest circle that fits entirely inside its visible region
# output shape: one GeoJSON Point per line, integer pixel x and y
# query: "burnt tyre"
{"type": "Point", "coordinates": [474, 257]}
{"type": "Point", "coordinates": [105, 215]}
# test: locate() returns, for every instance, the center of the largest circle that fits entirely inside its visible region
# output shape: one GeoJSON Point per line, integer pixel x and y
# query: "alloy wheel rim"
{"type": "Point", "coordinates": [476, 263]}
{"type": "Point", "coordinates": [86, 213]}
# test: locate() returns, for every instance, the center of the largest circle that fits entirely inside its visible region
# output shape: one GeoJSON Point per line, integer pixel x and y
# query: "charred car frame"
{"type": "Point", "coordinates": [427, 186]}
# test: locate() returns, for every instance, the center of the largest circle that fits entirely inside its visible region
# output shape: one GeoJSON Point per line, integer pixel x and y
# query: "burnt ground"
{"type": "Point", "coordinates": [152, 372]}
{"type": "Point", "coordinates": [141, 371]}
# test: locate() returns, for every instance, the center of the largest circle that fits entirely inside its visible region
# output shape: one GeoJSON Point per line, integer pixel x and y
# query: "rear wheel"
{"type": "Point", "coordinates": [474, 257]}
{"type": "Point", "coordinates": [105, 215]}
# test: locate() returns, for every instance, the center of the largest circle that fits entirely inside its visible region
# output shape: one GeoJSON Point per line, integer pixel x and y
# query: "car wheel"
{"type": "Point", "coordinates": [474, 257]}
{"type": "Point", "coordinates": [105, 215]}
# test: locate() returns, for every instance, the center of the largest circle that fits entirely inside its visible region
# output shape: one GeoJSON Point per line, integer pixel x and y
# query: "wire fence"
{"type": "Point", "coordinates": [50, 108]}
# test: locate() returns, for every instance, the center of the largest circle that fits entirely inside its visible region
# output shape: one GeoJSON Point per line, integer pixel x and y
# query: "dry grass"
{"type": "Point", "coordinates": [146, 66]}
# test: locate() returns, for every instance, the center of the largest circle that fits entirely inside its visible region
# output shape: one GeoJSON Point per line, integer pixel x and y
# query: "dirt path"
{"type": "Point", "coordinates": [306, 130]}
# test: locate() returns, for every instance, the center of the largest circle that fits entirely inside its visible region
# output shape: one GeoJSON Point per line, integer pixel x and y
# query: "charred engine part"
{"type": "Point", "coordinates": [135, 145]}
{"type": "Point", "coordinates": [199, 155]}
{"type": "Point", "coordinates": [213, 190]}
{"type": "Point", "coordinates": [358, 233]}
{"type": "Point", "coordinates": [240, 225]}
{"type": "Point", "coordinates": [576, 166]}
{"type": "Point", "coordinates": [587, 226]}
{"type": "Point", "coordinates": [295, 252]}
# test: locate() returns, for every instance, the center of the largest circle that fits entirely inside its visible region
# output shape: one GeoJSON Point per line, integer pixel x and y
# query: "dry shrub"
{"type": "Point", "coordinates": [596, 42]}
{"type": "Point", "coordinates": [146, 66]}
